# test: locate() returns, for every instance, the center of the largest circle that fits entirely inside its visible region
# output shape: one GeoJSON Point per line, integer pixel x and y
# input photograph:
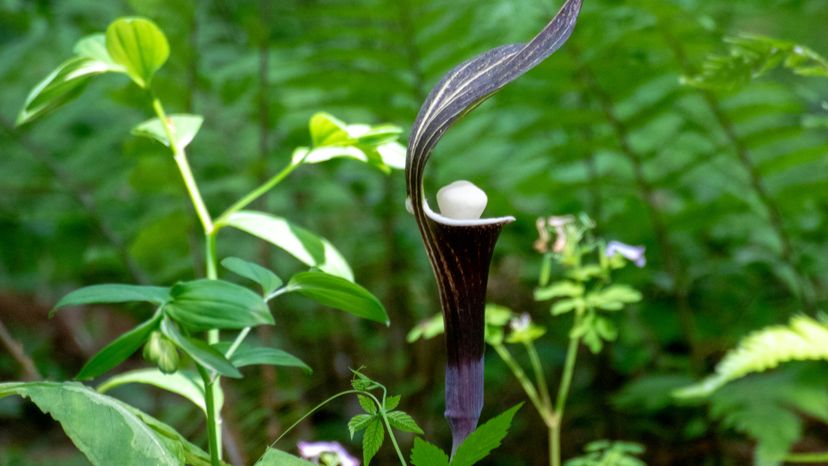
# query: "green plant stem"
{"type": "Point", "coordinates": [540, 379]}
{"type": "Point", "coordinates": [807, 458]}
{"type": "Point", "coordinates": [563, 394]}
{"type": "Point", "coordinates": [544, 412]}
{"type": "Point", "coordinates": [258, 192]}
{"type": "Point", "coordinates": [237, 342]}
{"type": "Point", "coordinates": [212, 384]}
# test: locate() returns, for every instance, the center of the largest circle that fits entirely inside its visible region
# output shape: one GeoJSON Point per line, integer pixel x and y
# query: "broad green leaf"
{"type": "Point", "coordinates": [268, 280]}
{"type": "Point", "coordinates": [139, 45]}
{"type": "Point", "coordinates": [185, 383]}
{"type": "Point", "coordinates": [562, 307]}
{"type": "Point", "coordinates": [193, 455]}
{"type": "Point", "coordinates": [327, 130]}
{"type": "Point", "coordinates": [83, 413]}
{"type": "Point", "coordinates": [358, 422]}
{"type": "Point", "coordinates": [61, 86]}
{"type": "Point", "coordinates": [403, 421]}
{"type": "Point", "coordinates": [484, 439]}
{"type": "Point", "coordinates": [114, 293]}
{"type": "Point", "coordinates": [427, 454]}
{"type": "Point", "coordinates": [94, 46]}
{"type": "Point", "coordinates": [372, 439]}
{"type": "Point", "coordinates": [248, 356]}
{"type": "Point", "coordinates": [184, 129]}
{"type": "Point", "coordinates": [296, 241]}
{"type": "Point", "coordinates": [559, 290]}
{"type": "Point", "coordinates": [118, 350]}
{"type": "Point", "coordinates": [204, 304]}
{"type": "Point", "coordinates": [274, 457]}
{"type": "Point", "coordinates": [202, 353]}
{"type": "Point", "coordinates": [338, 293]}
{"type": "Point", "coordinates": [323, 154]}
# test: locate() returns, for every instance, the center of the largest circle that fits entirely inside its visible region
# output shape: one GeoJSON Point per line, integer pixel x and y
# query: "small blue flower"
{"type": "Point", "coordinates": [631, 253]}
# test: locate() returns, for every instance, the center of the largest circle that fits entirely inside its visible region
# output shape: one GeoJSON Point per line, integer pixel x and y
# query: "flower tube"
{"type": "Point", "coordinates": [459, 244]}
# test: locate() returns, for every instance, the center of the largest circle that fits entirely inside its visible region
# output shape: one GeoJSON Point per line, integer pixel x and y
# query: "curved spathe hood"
{"type": "Point", "coordinates": [460, 251]}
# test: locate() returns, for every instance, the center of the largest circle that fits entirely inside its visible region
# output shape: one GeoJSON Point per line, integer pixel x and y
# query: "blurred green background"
{"type": "Point", "coordinates": [728, 191]}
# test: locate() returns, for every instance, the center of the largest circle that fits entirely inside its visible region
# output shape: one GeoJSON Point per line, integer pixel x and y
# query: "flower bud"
{"type": "Point", "coordinates": [461, 200]}
{"type": "Point", "coordinates": [161, 352]}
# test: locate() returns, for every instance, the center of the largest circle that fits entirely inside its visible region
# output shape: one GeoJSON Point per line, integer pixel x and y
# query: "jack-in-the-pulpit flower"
{"type": "Point", "coordinates": [634, 254]}
{"type": "Point", "coordinates": [459, 244]}
{"type": "Point", "coordinates": [318, 451]}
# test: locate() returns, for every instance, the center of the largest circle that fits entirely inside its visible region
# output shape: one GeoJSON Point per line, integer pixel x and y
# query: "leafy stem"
{"type": "Point", "coordinates": [545, 411]}
{"type": "Point", "coordinates": [258, 192]}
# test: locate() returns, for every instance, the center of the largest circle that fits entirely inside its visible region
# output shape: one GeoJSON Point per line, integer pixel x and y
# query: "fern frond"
{"type": "Point", "coordinates": [753, 56]}
{"type": "Point", "coordinates": [803, 339]}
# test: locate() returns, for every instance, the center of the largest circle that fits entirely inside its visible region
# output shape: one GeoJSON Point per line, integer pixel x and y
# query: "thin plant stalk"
{"type": "Point", "coordinates": [563, 394]}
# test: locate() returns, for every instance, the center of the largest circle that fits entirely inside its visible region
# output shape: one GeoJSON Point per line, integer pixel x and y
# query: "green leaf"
{"type": "Point", "coordinates": [118, 350]}
{"type": "Point", "coordinates": [327, 130]}
{"type": "Point", "coordinates": [202, 353]}
{"type": "Point", "coordinates": [367, 404]}
{"type": "Point", "coordinates": [358, 422]}
{"type": "Point", "coordinates": [567, 305]}
{"type": "Point", "coordinates": [484, 439]}
{"type": "Point", "coordinates": [426, 329]}
{"type": "Point", "coordinates": [274, 457]}
{"type": "Point", "coordinates": [560, 289]}
{"type": "Point", "coordinates": [114, 293]}
{"type": "Point", "coordinates": [204, 304]}
{"type": "Point", "coordinates": [372, 439]}
{"type": "Point", "coordinates": [391, 402]}
{"type": "Point", "coordinates": [94, 46]}
{"type": "Point", "coordinates": [248, 356]}
{"type": "Point", "coordinates": [127, 440]}
{"type": "Point", "coordinates": [427, 454]}
{"type": "Point", "coordinates": [403, 421]}
{"type": "Point", "coordinates": [61, 86]}
{"type": "Point", "coordinates": [193, 455]}
{"type": "Point", "coordinates": [296, 241]}
{"type": "Point", "coordinates": [338, 293]}
{"type": "Point", "coordinates": [185, 383]}
{"type": "Point", "coordinates": [184, 129]}
{"type": "Point", "coordinates": [614, 297]}
{"type": "Point", "coordinates": [268, 280]}
{"type": "Point", "coordinates": [139, 45]}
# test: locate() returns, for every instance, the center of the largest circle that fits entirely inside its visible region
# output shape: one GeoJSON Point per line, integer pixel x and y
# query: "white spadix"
{"type": "Point", "coordinates": [461, 200]}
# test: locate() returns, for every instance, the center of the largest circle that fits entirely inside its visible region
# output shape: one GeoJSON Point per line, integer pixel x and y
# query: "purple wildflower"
{"type": "Point", "coordinates": [631, 253]}
{"type": "Point", "coordinates": [315, 451]}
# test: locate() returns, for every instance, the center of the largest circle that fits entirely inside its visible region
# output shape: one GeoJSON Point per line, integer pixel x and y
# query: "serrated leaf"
{"type": "Point", "coordinates": [268, 280]}
{"type": "Point", "coordinates": [201, 305]}
{"type": "Point", "coordinates": [484, 439]}
{"type": "Point", "coordinates": [202, 353]}
{"type": "Point", "coordinates": [359, 422]}
{"type": "Point", "coordinates": [391, 402]}
{"type": "Point", "coordinates": [372, 439]}
{"type": "Point", "coordinates": [184, 129]}
{"type": "Point", "coordinates": [118, 350]}
{"type": "Point", "coordinates": [296, 241]}
{"type": "Point", "coordinates": [427, 454]}
{"type": "Point", "coordinates": [139, 45]}
{"type": "Point", "coordinates": [367, 404]}
{"type": "Point", "coordinates": [114, 293]}
{"type": "Point", "coordinates": [338, 293]}
{"type": "Point", "coordinates": [403, 421]}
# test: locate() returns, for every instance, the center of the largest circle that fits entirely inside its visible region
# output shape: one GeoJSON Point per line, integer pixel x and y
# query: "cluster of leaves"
{"type": "Point", "coordinates": [607, 453]}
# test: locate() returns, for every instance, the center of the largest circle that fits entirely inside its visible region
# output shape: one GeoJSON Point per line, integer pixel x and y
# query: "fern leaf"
{"type": "Point", "coordinates": [803, 339]}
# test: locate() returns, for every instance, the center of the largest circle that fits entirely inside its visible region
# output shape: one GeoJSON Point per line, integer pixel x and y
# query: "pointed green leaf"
{"type": "Point", "coordinates": [118, 350]}
{"type": "Point", "coordinates": [338, 293]}
{"type": "Point", "coordinates": [184, 128]}
{"type": "Point", "coordinates": [202, 353]}
{"type": "Point", "coordinates": [274, 457]}
{"type": "Point", "coordinates": [114, 293]}
{"type": "Point", "coordinates": [139, 45]}
{"type": "Point", "coordinates": [358, 422]}
{"type": "Point", "coordinates": [367, 404]}
{"type": "Point", "coordinates": [327, 130]}
{"type": "Point", "coordinates": [248, 356]}
{"type": "Point", "coordinates": [372, 439]}
{"type": "Point", "coordinates": [268, 280]}
{"type": "Point", "coordinates": [296, 241]}
{"type": "Point", "coordinates": [484, 439]}
{"type": "Point", "coordinates": [391, 402]}
{"type": "Point", "coordinates": [185, 383]}
{"type": "Point", "coordinates": [127, 440]}
{"type": "Point", "coordinates": [403, 421]}
{"type": "Point", "coordinates": [202, 305]}
{"type": "Point", "coordinates": [427, 454]}
{"type": "Point", "coordinates": [94, 46]}
{"type": "Point", "coordinates": [559, 290]}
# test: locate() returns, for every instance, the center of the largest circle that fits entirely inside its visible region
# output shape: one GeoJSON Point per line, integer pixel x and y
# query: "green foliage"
{"type": "Point", "coordinates": [803, 339]}
{"type": "Point", "coordinates": [752, 56]}
{"type": "Point", "coordinates": [205, 304]}
{"type": "Point", "coordinates": [607, 453]}
{"type": "Point", "coordinates": [129, 440]}
{"type": "Point", "coordinates": [427, 454]}
{"type": "Point", "coordinates": [202, 353]}
{"type": "Point", "coordinates": [98, 294]}
{"type": "Point", "coordinates": [184, 129]}
{"type": "Point", "coordinates": [246, 355]}
{"type": "Point", "coordinates": [339, 293]}
{"type": "Point", "coordinates": [274, 457]}
{"type": "Point", "coordinates": [268, 280]}
{"type": "Point", "coordinates": [139, 46]}
{"type": "Point", "coordinates": [118, 350]}
{"type": "Point", "coordinates": [185, 383]}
